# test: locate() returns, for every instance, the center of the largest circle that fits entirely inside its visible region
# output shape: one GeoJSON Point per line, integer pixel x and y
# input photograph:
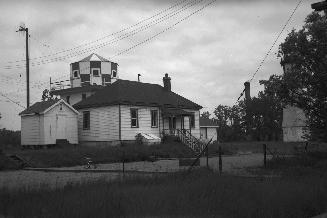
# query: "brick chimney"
{"type": "Point", "coordinates": [166, 83]}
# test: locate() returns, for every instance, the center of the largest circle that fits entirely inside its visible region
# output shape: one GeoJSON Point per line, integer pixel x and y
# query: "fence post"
{"type": "Point", "coordinates": [123, 163]}
{"type": "Point", "coordinates": [220, 161]}
{"type": "Point", "coordinates": [265, 155]}
{"type": "Point", "coordinates": [207, 154]}
{"type": "Point", "coordinates": [306, 147]}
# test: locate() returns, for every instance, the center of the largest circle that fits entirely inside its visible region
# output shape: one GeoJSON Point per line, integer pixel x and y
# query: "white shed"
{"type": "Point", "coordinates": [208, 129]}
{"type": "Point", "coordinates": [45, 122]}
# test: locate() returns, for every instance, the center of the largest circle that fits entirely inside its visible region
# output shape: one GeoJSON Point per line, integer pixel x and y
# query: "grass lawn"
{"type": "Point", "coordinates": [257, 147]}
{"type": "Point", "coordinates": [199, 194]}
{"type": "Point", "coordinates": [72, 156]}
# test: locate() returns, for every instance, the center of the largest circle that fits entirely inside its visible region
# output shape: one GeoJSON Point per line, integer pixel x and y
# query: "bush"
{"type": "Point", "coordinates": [9, 137]}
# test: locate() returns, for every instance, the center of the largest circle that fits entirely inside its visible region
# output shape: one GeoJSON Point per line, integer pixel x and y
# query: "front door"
{"type": "Point", "coordinates": [60, 126]}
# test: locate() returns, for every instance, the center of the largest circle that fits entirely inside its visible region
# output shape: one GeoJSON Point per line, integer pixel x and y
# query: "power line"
{"type": "Point", "coordinates": [106, 36]}
{"type": "Point", "coordinates": [9, 99]}
{"type": "Point", "coordinates": [273, 45]}
{"type": "Point", "coordinates": [166, 29]}
{"type": "Point", "coordinates": [147, 40]}
{"type": "Point", "coordinates": [117, 39]}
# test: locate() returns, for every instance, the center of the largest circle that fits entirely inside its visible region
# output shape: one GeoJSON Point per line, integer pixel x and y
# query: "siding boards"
{"type": "Point", "coordinates": [104, 123]}
{"type": "Point", "coordinates": [30, 130]}
{"type": "Point", "coordinates": [144, 118]}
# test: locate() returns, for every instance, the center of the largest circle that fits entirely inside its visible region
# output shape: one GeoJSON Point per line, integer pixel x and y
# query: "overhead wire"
{"type": "Point", "coordinates": [106, 36]}
{"type": "Point", "coordinates": [144, 41]}
{"type": "Point", "coordinates": [117, 39]}
{"type": "Point", "coordinates": [272, 46]}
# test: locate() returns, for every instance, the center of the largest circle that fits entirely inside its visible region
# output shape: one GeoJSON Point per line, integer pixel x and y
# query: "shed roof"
{"type": "Point", "coordinates": [206, 122]}
{"type": "Point", "coordinates": [39, 107]}
{"type": "Point", "coordinates": [44, 106]}
{"type": "Point", "coordinates": [136, 93]}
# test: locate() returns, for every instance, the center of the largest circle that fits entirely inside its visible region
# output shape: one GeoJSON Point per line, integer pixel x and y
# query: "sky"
{"type": "Point", "coordinates": [208, 51]}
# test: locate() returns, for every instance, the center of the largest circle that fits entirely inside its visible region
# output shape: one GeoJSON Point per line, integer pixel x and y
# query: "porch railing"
{"type": "Point", "coordinates": [186, 138]}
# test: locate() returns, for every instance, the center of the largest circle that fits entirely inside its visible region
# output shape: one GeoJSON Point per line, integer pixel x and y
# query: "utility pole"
{"type": "Point", "coordinates": [21, 29]}
{"type": "Point", "coordinates": [320, 6]}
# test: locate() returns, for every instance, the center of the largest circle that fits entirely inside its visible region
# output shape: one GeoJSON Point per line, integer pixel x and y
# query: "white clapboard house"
{"type": "Point", "coordinates": [45, 122]}
{"type": "Point", "coordinates": [208, 129]}
{"type": "Point", "coordinates": [111, 110]}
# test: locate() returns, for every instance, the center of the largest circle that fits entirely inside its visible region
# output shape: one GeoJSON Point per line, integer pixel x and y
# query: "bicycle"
{"type": "Point", "coordinates": [89, 163]}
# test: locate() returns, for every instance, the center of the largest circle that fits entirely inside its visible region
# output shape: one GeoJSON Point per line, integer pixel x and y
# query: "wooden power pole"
{"type": "Point", "coordinates": [21, 28]}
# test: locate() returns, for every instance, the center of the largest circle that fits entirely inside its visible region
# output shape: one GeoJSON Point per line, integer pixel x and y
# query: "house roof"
{"type": "Point", "coordinates": [206, 122]}
{"type": "Point", "coordinates": [39, 107]}
{"type": "Point", "coordinates": [94, 57]}
{"type": "Point", "coordinates": [136, 93]}
{"type": "Point", "coordinates": [175, 112]}
{"type": "Point", "coordinates": [44, 106]}
{"type": "Point", "coordinates": [89, 88]}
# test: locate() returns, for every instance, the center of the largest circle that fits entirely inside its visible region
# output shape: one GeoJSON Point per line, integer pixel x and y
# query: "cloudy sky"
{"type": "Point", "coordinates": [209, 55]}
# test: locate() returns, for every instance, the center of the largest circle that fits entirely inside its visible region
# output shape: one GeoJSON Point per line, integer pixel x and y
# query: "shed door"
{"type": "Point", "coordinates": [61, 126]}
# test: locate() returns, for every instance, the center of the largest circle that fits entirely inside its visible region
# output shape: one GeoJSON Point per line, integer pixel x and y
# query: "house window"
{"type": "Point", "coordinates": [96, 72]}
{"type": "Point", "coordinates": [75, 73]}
{"type": "Point", "coordinates": [192, 121]}
{"type": "Point", "coordinates": [68, 99]}
{"type": "Point", "coordinates": [154, 118]}
{"type": "Point", "coordinates": [114, 73]}
{"type": "Point", "coordinates": [134, 118]}
{"type": "Point", "coordinates": [60, 107]}
{"type": "Point", "coordinates": [83, 96]}
{"type": "Point", "coordinates": [172, 122]}
{"type": "Point", "coordinates": [86, 120]}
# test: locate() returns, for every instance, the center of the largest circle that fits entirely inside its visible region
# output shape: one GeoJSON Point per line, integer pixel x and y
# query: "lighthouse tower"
{"type": "Point", "coordinates": [93, 70]}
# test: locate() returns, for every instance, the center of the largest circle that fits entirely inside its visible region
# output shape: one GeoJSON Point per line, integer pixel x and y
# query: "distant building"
{"type": "Point", "coordinates": [294, 119]}
{"type": "Point", "coordinates": [294, 124]}
{"type": "Point", "coordinates": [208, 129]}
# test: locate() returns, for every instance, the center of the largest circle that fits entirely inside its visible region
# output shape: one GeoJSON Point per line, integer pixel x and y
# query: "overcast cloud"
{"type": "Point", "coordinates": [209, 56]}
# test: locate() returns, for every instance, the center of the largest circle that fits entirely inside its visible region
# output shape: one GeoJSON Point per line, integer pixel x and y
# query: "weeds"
{"type": "Point", "coordinates": [200, 194]}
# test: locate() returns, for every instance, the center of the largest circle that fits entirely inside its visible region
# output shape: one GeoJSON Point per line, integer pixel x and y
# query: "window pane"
{"type": "Point", "coordinates": [133, 112]}
{"type": "Point", "coordinates": [86, 120]}
{"type": "Point", "coordinates": [154, 118]}
{"type": "Point", "coordinates": [95, 72]}
{"type": "Point", "coordinates": [134, 117]}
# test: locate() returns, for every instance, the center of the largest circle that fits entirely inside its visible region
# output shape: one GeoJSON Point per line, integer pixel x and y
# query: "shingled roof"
{"type": "Point", "coordinates": [39, 107]}
{"type": "Point", "coordinates": [206, 122]}
{"type": "Point", "coordinates": [89, 88]}
{"type": "Point", "coordinates": [136, 93]}
{"type": "Point", "coordinates": [94, 57]}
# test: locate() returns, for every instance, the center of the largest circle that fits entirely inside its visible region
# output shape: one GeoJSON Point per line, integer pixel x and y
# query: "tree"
{"type": "Point", "coordinates": [47, 95]}
{"type": "Point", "coordinates": [206, 115]}
{"type": "Point", "coordinates": [304, 83]}
{"type": "Point", "coordinates": [229, 121]}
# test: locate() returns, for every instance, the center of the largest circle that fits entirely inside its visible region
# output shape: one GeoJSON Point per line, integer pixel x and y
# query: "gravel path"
{"type": "Point", "coordinates": [58, 178]}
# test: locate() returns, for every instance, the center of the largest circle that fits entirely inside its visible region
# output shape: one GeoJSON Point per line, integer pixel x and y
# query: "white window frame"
{"type": "Point", "coordinates": [113, 73]}
{"type": "Point", "coordinates": [135, 118]}
{"type": "Point", "coordinates": [74, 73]}
{"type": "Point", "coordinates": [154, 120]}
{"type": "Point", "coordinates": [98, 69]}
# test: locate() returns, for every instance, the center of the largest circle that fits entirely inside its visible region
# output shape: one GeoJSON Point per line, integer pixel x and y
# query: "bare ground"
{"type": "Point", "coordinates": [236, 164]}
